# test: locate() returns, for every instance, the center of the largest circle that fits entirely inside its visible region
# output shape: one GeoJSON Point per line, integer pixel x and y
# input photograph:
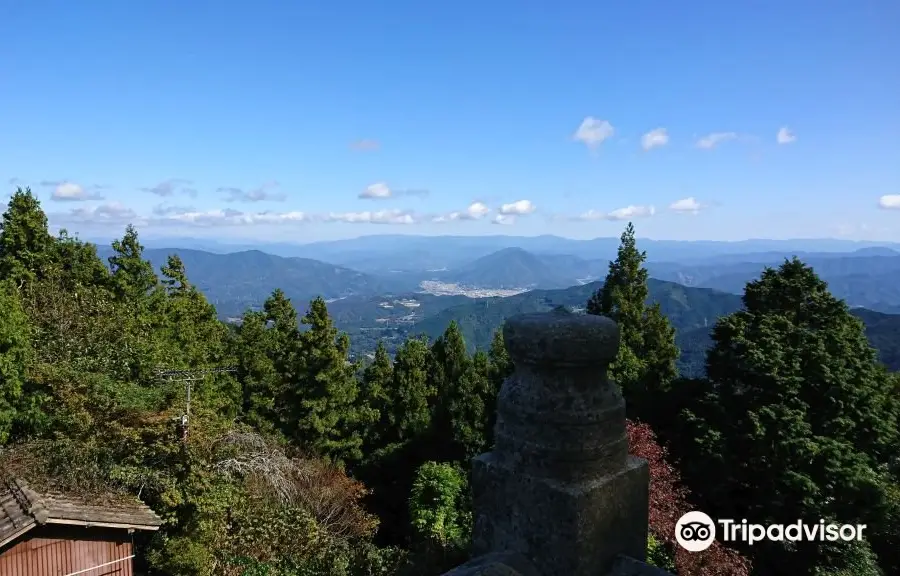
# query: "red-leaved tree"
{"type": "Point", "coordinates": [668, 502]}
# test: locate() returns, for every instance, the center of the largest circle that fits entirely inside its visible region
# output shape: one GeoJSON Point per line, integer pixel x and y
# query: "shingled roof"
{"type": "Point", "coordinates": [22, 509]}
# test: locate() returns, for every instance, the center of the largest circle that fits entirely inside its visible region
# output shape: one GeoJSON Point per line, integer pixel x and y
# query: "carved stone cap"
{"type": "Point", "coordinates": [561, 338]}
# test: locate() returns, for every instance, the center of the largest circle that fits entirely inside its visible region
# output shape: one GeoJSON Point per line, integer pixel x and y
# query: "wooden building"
{"type": "Point", "coordinates": [52, 535]}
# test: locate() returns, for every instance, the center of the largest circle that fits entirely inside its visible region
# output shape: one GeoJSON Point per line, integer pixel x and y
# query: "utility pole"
{"type": "Point", "coordinates": [188, 377]}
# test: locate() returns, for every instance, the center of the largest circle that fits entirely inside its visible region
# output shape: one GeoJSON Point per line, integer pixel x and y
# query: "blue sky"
{"type": "Point", "coordinates": [269, 120]}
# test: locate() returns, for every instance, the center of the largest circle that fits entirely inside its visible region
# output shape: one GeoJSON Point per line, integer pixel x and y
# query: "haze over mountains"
{"type": "Point", "coordinates": [403, 285]}
{"type": "Point", "coordinates": [864, 274]}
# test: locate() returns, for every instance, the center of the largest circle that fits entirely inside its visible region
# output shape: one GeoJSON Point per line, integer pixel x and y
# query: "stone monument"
{"type": "Point", "coordinates": [560, 491]}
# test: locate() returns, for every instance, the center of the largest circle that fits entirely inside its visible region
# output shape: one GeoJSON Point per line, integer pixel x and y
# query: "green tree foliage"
{"type": "Point", "coordinates": [798, 421]}
{"type": "Point", "coordinates": [26, 247]}
{"type": "Point", "coordinates": [441, 513]}
{"type": "Point", "coordinates": [132, 277]}
{"type": "Point", "coordinates": [256, 347]}
{"type": "Point", "coordinates": [327, 414]}
{"type": "Point", "coordinates": [645, 364]}
{"type": "Point", "coordinates": [411, 394]}
{"type": "Point", "coordinates": [450, 373]}
{"type": "Point", "coordinates": [15, 351]}
{"type": "Point", "coordinates": [377, 380]}
{"type": "Point", "coordinates": [500, 367]}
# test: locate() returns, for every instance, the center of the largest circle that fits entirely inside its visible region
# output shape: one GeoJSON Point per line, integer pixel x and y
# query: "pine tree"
{"type": "Point", "coordinates": [132, 277]}
{"type": "Point", "coordinates": [799, 419]}
{"type": "Point", "coordinates": [500, 367]}
{"type": "Point", "coordinates": [26, 246]}
{"type": "Point", "coordinates": [328, 416]}
{"type": "Point", "coordinates": [261, 384]}
{"type": "Point", "coordinates": [449, 370]}
{"type": "Point", "coordinates": [411, 394]}
{"type": "Point", "coordinates": [377, 379]}
{"type": "Point", "coordinates": [645, 363]}
{"type": "Point", "coordinates": [78, 262]}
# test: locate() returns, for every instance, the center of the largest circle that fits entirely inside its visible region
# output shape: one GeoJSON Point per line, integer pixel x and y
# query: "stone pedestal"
{"type": "Point", "coordinates": [559, 487]}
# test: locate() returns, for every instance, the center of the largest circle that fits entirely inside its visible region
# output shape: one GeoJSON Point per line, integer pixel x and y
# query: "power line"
{"type": "Point", "coordinates": [188, 377]}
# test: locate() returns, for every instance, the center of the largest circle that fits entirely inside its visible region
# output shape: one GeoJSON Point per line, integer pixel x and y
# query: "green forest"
{"type": "Point", "coordinates": [299, 461]}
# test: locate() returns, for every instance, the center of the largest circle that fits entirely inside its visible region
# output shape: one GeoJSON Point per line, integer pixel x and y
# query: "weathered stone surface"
{"type": "Point", "coordinates": [496, 564]}
{"type": "Point", "coordinates": [560, 487]}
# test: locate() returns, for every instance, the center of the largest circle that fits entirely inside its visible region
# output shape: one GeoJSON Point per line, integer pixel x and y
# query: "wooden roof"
{"type": "Point", "coordinates": [21, 509]}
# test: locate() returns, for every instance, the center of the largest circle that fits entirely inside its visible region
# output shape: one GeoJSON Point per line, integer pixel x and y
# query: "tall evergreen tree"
{"type": "Point", "coordinates": [645, 363]}
{"type": "Point", "coordinates": [132, 277]}
{"type": "Point", "coordinates": [799, 420]}
{"type": "Point", "coordinates": [411, 393]}
{"type": "Point", "coordinates": [261, 384]}
{"type": "Point", "coordinates": [450, 363]}
{"type": "Point", "coordinates": [78, 262]}
{"type": "Point", "coordinates": [377, 379]}
{"type": "Point", "coordinates": [328, 415]}
{"type": "Point", "coordinates": [26, 246]}
{"type": "Point", "coordinates": [500, 367]}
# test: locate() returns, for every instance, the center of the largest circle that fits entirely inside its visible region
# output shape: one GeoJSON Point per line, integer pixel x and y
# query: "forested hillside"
{"type": "Point", "coordinates": [301, 461]}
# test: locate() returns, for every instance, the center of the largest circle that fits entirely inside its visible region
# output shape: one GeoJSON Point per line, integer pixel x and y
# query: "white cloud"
{"type": "Point", "coordinates": [629, 212]}
{"type": "Point", "coordinates": [475, 211]}
{"type": "Point", "coordinates": [263, 193]}
{"type": "Point", "coordinates": [376, 191]}
{"type": "Point", "coordinates": [686, 205]}
{"type": "Point", "coordinates": [71, 192]}
{"type": "Point", "coordinates": [228, 217]}
{"type": "Point", "coordinates": [377, 217]}
{"type": "Point", "coordinates": [518, 208]}
{"type": "Point", "coordinates": [506, 219]}
{"type": "Point", "coordinates": [381, 191]}
{"type": "Point", "coordinates": [889, 202]}
{"type": "Point", "coordinates": [655, 139]}
{"type": "Point", "coordinates": [593, 132]}
{"type": "Point", "coordinates": [712, 140]}
{"type": "Point", "coordinates": [785, 136]}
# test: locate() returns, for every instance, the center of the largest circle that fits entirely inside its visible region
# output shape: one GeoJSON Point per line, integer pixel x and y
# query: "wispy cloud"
{"type": "Point", "coordinates": [475, 211]}
{"type": "Point", "coordinates": [785, 136]}
{"type": "Point", "coordinates": [627, 213]}
{"type": "Point", "coordinates": [365, 145]}
{"type": "Point", "coordinates": [381, 191]}
{"type": "Point", "coordinates": [505, 219]}
{"type": "Point", "coordinates": [593, 132]}
{"type": "Point", "coordinates": [889, 202]}
{"type": "Point", "coordinates": [165, 210]}
{"type": "Point", "coordinates": [376, 217]}
{"type": "Point", "coordinates": [171, 187]}
{"type": "Point", "coordinates": [229, 217]}
{"type": "Point", "coordinates": [710, 141]}
{"type": "Point", "coordinates": [686, 206]}
{"type": "Point", "coordinates": [518, 208]}
{"type": "Point", "coordinates": [264, 193]}
{"type": "Point", "coordinates": [655, 139]}
{"type": "Point", "coordinates": [111, 213]}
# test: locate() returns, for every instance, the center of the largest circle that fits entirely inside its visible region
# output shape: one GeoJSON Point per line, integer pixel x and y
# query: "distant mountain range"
{"type": "Point", "coordinates": [388, 304]}
{"type": "Point", "coordinates": [242, 280]}
{"type": "Point", "coordinates": [867, 278]}
{"type": "Point", "coordinates": [385, 252]}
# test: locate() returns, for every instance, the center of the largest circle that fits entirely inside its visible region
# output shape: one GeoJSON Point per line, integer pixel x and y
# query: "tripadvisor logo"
{"type": "Point", "coordinates": [695, 531]}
